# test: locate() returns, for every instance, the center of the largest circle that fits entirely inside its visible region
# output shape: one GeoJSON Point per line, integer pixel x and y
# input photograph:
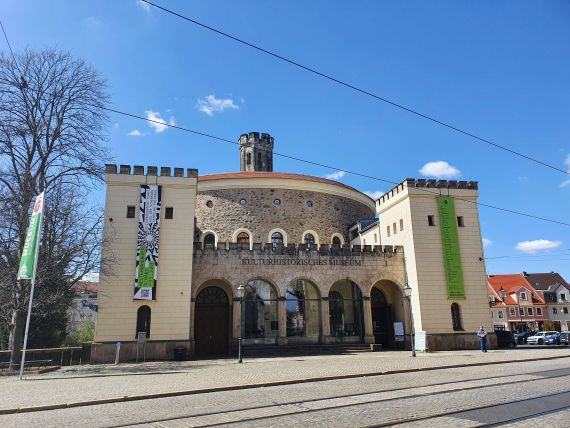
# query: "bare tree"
{"type": "Point", "coordinates": [52, 133]}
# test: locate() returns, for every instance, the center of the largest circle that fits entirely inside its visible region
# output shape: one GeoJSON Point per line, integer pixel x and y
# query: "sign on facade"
{"type": "Point", "coordinates": [398, 329]}
{"type": "Point", "coordinates": [147, 245]}
{"type": "Point", "coordinates": [451, 255]}
{"type": "Point", "coordinates": [421, 341]}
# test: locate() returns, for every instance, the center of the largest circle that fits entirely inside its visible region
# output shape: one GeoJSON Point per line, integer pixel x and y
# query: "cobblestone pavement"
{"type": "Point", "coordinates": [85, 383]}
{"type": "Point", "coordinates": [354, 402]}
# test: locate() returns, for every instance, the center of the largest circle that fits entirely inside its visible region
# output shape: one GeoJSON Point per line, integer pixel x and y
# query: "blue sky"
{"type": "Point", "coordinates": [496, 69]}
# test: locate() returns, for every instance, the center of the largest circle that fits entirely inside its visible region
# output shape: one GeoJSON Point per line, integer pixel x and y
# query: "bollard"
{"type": "Point", "coordinates": [118, 352]}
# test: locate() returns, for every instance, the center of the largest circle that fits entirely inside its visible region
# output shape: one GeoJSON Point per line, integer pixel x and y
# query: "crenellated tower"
{"type": "Point", "coordinates": [256, 154]}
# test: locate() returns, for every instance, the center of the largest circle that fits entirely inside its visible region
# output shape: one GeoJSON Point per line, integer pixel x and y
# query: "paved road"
{"type": "Point", "coordinates": [459, 397]}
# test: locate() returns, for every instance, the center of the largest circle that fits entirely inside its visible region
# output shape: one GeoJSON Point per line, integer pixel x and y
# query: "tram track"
{"type": "Point", "coordinates": [376, 401]}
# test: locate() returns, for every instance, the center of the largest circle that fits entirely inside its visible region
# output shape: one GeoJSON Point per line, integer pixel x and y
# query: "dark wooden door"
{"type": "Point", "coordinates": [211, 329]}
{"type": "Point", "coordinates": [383, 327]}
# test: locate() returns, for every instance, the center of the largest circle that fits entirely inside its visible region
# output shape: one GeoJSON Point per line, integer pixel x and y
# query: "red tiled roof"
{"type": "Point", "coordinates": [511, 283]}
{"type": "Point", "coordinates": [91, 287]}
{"type": "Point", "coordinates": [263, 174]}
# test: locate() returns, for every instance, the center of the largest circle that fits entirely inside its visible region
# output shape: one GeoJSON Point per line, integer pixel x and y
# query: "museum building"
{"type": "Point", "coordinates": [285, 260]}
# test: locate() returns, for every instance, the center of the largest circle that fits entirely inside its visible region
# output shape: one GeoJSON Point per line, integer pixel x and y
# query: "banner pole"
{"type": "Point", "coordinates": [31, 296]}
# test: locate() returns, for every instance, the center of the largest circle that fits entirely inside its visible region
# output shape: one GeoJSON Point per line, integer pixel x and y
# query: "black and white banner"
{"type": "Point", "coordinates": [147, 245]}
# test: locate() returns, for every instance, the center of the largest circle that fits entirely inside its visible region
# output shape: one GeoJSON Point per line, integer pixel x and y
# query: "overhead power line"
{"type": "Point", "coordinates": [358, 89]}
{"type": "Point", "coordinates": [537, 254]}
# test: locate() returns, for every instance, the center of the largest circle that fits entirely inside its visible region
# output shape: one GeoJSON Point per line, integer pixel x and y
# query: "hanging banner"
{"type": "Point", "coordinates": [451, 255]}
{"type": "Point", "coordinates": [147, 246]}
{"type": "Point", "coordinates": [28, 259]}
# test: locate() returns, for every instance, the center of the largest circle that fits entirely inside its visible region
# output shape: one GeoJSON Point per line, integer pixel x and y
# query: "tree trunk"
{"type": "Point", "coordinates": [16, 339]}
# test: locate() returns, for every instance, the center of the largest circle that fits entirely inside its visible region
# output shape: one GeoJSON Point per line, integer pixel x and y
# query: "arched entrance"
{"type": "Point", "coordinates": [211, 321]}
{"type": "Point", "coordinates": [382, 324]}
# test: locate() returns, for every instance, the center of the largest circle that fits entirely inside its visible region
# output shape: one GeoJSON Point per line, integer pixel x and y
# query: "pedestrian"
{"type": "Point", "coordinates": [482, 339]}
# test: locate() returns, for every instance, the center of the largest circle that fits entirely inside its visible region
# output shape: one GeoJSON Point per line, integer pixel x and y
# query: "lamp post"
{"type": "Point", "coordinates": [408, 295]}
{"type": "Point", "coordinates": [240, 293]}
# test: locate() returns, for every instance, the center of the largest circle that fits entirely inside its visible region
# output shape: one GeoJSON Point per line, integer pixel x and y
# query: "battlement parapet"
{"type": "Point", "coordinates": [165, 171]}
{"type": "Point", "coordinates": [253, 138]}
{"type": "Point", "coordinates": [423, 183]}
{"type": "Point", "coordinates": [295, 250]}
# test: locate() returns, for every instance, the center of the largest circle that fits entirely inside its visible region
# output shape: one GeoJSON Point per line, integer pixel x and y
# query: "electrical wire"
{"type": "Point", "coordinates": [358, 89]}
{"type": "Point", "coordinates": [6, 37]}
{"type": "Point", "coordinates": [537, 254]}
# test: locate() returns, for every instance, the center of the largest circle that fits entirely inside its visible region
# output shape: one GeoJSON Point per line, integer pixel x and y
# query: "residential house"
{"type": "Point", "coordinates": [556, 293]}
{"type": "Point", "coordinates": [84, 305]}
{"type": "Point", "coordinates": [525, 310]}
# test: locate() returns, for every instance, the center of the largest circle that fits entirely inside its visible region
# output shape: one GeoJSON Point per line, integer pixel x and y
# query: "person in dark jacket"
{"type": "Point", "coordinates": [482, 339]}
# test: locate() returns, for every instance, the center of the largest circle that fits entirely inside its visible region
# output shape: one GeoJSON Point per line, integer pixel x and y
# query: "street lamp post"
{"type": "Point", "coordinates": [408, 296]}
{"type": "Point", "coordinates": [240, 293]}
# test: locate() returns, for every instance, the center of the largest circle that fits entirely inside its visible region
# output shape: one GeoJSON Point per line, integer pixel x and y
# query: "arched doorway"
{"type": "Point", "coordinates": [211, 321]}
{"type": "Point", "coordinates": [346, 314]}
{"type": "Point", "coordinates": [260, 324]}
{"type": "Point", "coordinates": [382, 325]}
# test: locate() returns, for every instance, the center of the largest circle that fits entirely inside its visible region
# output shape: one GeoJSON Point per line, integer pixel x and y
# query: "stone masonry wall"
{"type": "Point", "coordinates": [329, 214]}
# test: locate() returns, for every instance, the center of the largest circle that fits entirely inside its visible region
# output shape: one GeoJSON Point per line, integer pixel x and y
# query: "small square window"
{"type": "Point", "coordinates": [500, 314]}
{"type": "Point", "coordinates": [538, 311]}
{"type": "Point", "coordinates": [523, 296]}
{"type": "Point", "coordinates": [554, 310]}
{"type": "Point", "coordinates": [565, 310]}
{"type": "Point", "coordinates": [521, 310]}
{"type": "Point", "coordinates": [550, 297]}
{"type": "Point", "coordinates": [460, 222]}
{"type": "Point", "coordinates": [130, 212]}
{"type": "Point", "coordinates": [562, 296]}
{"type": "Point", "coordinates": [512, 311]}
{"type": "Point", "coordinates": [530, 311]}
{"type": "Point", "coordinates": [431, 220]}
{"type": "Point", "coordinates": [401, 224]}
{"type": "Point", "coordinates": [388, 230]}
{"type": "Point", "coordinates": [169, 213]}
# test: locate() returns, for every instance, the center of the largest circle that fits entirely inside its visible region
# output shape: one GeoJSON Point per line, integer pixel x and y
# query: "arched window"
{"type": "Point", "coordinates": [377, 298]}
{"type": "Point", "coordinates": [276, 238]}
{"type": "Point", "coordinates": [346, 314]}
{"type": "Point", "coordinates": [303, 312]}
{"type": "Point", "coordinates": [143, 321]}
{"type": "Point", "coordinates": [309, 239]}
{"type": "Point", "coordinates": [336, 241]}
{"type": "Point", "coordinates": [210, 238]}
{"type": "Point", "coordinates": [212, 295]}
{"type": "Point", "coordinates": [456, 316]}
{"type": "Point", "coordinates": [260, 321]}
{"type": "Point", "coordinates": [243, 238]}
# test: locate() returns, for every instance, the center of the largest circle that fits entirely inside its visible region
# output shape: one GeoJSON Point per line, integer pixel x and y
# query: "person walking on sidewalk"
{"type": "Point", "coordinates": [482, 339]}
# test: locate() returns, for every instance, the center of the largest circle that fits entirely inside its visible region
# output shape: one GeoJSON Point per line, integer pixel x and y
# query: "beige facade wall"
{"type": "Point", "coordinates": [424, 255]}
{"type": "Point", "coordinates": [170, 316]}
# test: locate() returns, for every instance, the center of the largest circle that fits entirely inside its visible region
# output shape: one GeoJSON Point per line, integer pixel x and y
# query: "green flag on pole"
{"type": "Point", "coordinates": [30, 249]}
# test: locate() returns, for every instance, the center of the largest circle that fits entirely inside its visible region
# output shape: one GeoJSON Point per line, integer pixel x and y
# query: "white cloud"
{"type": "Point", "coordinates": [144, 5]}
{"type": "Point", "coordinates": [137, 133]}
{"type": "Point", "coordinates": [335, 175]}
{"type": "Point", "coordinates": [155, 116]}
{"type": "Point", "coordinates": [440, 169]}
{"type": "Point", "coordinates": [567, 163]}
{"type": "Point", "coordinates": [242, 100]}
{"type": "Point", "coordinates": [374, 195]}
{"type": "Point", "coordinates": [91, 276]}
{"type": "Point", "coordinates": [116, 125]}
{"type": "Point", "coordinates": [486, 242]}
{"type": "Point", "coordinates": [211, 105]}
{"type": "Point", "coordinates": [92, 23]}
{"type": "Point", "coordinates": [532, 247]}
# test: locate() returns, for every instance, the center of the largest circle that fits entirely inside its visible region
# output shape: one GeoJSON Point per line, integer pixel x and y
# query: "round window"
{"type": "Point", "coordinates": [309, 204]}
{"type": "Point", "coordinates": [336, 208]}
{"type": "Point", "coordinates": [209, 204]}
{"type": "Point", "coordinates": [242, 202]}
{"type": "Point", "coordinates": [277, 202]}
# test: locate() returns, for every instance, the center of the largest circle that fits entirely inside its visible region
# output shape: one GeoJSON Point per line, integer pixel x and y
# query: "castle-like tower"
{"type": "Point", "coordinates": [256, 154]}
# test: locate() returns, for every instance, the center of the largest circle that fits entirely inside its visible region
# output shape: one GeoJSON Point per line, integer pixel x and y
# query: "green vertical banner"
{"type": "Point", "coordinates": [452, 257]}
{"type": "Point", "coordinates": [28, 260]}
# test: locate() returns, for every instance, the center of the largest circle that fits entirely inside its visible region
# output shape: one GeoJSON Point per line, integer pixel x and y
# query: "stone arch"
{"type": "Point", "coordinates": [207, 232]}
{"type": "Point", "coordinates": [223, 283]}
{"type": "Point", "coordinates": [301, 277]}
{"type": "Point", "coordinates": [365, 291]}
{"type": "Point", "coordinates": [339, 236]}
{"type": "Point", "coordinates": [312, 232]}
{"type": "Point", "coordinates": [277, 230]}
{"type": "Point", "coordinates": [267, 279]}
{"type": "Point", "coordinates": [309, 276]}
{"type": "Point", "coordinates": [240, 230]}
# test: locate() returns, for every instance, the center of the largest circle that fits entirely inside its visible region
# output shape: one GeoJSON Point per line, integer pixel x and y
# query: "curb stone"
{"type": "Point", "coordinates": [256, 385]}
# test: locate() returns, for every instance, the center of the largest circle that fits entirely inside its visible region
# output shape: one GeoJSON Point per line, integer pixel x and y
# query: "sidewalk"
{"type": "Point", "coordinates": [81, 385]}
